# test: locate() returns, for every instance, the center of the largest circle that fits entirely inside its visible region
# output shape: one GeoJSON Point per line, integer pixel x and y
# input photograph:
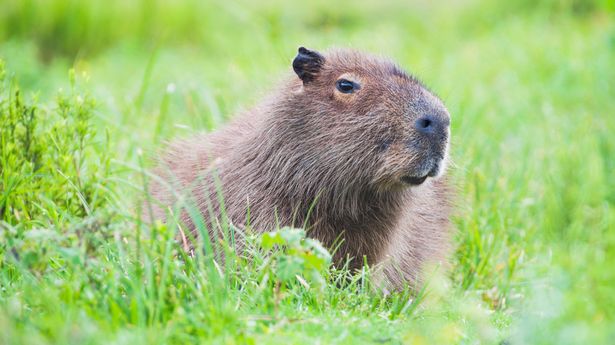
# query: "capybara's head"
{"type": "Point", "coordinates": [366, 119]}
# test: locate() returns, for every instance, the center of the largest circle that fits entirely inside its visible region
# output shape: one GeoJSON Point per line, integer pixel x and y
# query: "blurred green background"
{"type": "Point", "coordinates": [530, 86]}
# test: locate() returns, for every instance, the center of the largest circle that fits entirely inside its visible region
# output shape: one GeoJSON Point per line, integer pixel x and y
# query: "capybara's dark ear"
{"type": "Point", "coordinates": [307, 64]}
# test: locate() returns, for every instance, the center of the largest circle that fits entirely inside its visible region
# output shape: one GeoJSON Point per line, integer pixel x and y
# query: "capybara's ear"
{"type": "Point", "coordinates": [307, 64]}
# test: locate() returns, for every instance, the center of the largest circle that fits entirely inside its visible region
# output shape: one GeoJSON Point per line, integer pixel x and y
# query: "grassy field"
{"type": "Point", "coordinates": [89, 89]}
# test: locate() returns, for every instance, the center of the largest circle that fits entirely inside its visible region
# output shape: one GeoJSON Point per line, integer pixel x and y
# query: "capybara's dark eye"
{"type": "Point", "coordinates": [346, 86]}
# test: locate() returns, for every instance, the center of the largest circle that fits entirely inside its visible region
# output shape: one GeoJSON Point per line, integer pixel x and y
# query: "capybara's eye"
{"type": "Point", "coordinates": [346, 86]}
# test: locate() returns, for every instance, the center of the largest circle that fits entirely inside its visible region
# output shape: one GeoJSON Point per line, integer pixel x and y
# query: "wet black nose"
{"type": "Point", "coordinates": [430, 124]}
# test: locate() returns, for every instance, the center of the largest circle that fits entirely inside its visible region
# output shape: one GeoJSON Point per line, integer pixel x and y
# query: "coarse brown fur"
{"type": "Point", "coordinates": [334, 162]}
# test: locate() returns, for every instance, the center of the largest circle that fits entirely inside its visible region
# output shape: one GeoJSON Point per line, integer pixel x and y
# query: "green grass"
{"type": "Point", "coordinates": [530, 89]}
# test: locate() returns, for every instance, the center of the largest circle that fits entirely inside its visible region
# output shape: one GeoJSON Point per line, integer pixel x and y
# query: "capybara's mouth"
{"type": "Point", "coordinates": [414, 180]}
{"type": "Point", "coordinates": [417, 180]}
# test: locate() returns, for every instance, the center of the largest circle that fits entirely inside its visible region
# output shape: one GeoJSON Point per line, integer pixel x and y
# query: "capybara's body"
{"type": "Point", "coordinates": [351, 148]}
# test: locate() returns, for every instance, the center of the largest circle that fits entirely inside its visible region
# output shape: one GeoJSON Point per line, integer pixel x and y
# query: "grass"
{"type": "Point", "coordinates": [530, 88]}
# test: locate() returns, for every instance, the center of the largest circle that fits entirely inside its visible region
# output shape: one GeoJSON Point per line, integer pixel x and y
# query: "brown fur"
{"type": "Point", "coordinates": [311, 149]}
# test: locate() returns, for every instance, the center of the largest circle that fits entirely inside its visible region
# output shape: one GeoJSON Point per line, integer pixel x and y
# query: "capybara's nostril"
{"type": "Point", "coordinates": [425, 124]}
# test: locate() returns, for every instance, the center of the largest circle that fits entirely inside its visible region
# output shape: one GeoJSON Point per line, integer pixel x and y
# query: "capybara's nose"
{"type": "Point", "coordinates": [430, 124]}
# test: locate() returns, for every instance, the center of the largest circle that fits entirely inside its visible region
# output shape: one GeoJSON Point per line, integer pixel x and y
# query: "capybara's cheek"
{"type": "Point", "coordinates": [392, 165]}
